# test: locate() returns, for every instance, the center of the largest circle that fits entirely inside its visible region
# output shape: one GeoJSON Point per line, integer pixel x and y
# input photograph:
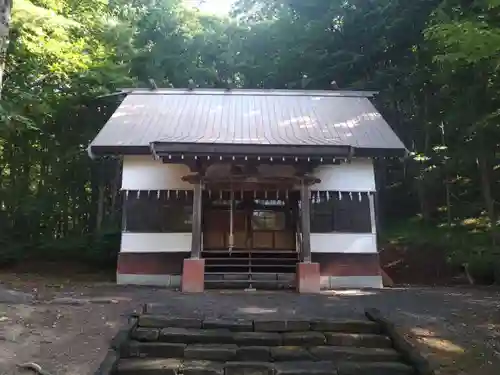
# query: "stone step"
{"type": "Point", "coordinates": [383, 368]}
{"type": "Point", "coordinates": [164, 321]}
{"type": "Point", "coordinates": [162, 344]}
{"type": "Point", "coordinates": [270, 276]}
{"type": "Point", "coordinates": [342, 353]}
{"type": "Point", "coordinates": [246, 333]}
{"type": "Point", "coordinates": [361, 340]}
{"type": "Point", "coordinates": [249, 269]}
{"type": "Point", "coordinates": [246, 251]}
{"type": "Point", "coordinates": [346, 326]}
{"type": "Point", "coordinates": [333, 329]}
{"type": "Point", "coordinates": [233, 352]}
{"type": "Point", "coordinates": [190, 367]}
{"type": "Point", "coordinates": [253, 260]}
{"type": "Point", "coordinates": [245, 282]}
{"type": "Point", "coordinates": [252, 265]}
{"type": "Point", "coordinates": [149, 366]}
{"type": "Point", "coordinates": [246, 278]}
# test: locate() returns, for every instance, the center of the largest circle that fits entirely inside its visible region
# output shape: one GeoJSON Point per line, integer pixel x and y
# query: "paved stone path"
{"type": "Point", "coordinates": [68, 329]}
{"type": "Point", "coordinates": [161, 344]}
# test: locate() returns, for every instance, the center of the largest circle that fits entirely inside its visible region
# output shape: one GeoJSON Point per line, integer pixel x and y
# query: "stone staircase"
{"type": "Point", "coordinates": [241, 269]}
{"type": "Point", "coordinates": [158, 344]}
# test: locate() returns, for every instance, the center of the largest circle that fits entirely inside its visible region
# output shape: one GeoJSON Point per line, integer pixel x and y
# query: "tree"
{"type": "Point", "coordinates": [435, 63]}
{"type": "Point", "coordinates": [5, 11]}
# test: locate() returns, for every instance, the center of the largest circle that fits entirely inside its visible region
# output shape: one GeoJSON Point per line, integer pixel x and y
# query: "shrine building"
{"type": "Point", "coordinates": [248, 188]}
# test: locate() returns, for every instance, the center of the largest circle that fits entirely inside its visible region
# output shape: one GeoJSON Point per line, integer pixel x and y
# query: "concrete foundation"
{"type": "Point", "coordinates": [308, 278]}
{"type": "Point", "coordinates": [193, 276]}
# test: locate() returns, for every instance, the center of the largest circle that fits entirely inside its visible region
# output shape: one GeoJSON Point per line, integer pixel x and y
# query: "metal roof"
{"type": "Point", "coordinates": [245, 117]}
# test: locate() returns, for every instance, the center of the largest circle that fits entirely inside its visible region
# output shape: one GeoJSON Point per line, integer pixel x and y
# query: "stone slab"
{"type": "Point", "coordinates": [211, 352]}
{"type": "Point", "coordinates": [248, 368]}
{"type": "Point", "coordinates": [149, 366]}
{"type": "Point", "coordinates": [290, 353]}
{"type": "Point", "coordinates": [387, 368]}
{"type": "Point", "coordinates": [364, 340]}
{"type": "Point", "coordinates": [196, 336]}
{"type": "Point", "coordinates": [265, 276]}
{"type": "Point", "coordinates": [257, 338]}
{"type": "Point", "coordinates": [145, 334]}
{"type": "Point", "coordinates": [162, 280]}
{"type": "Point", "coordinates": [338, 353]}
{"type": "Point", "coordinates": [281, 326]}
{"type": "Point", "coordinates": [286, 276]}
{"type": "Point", "coordinates": [239, 325]}
{"type": "Point", "coordinates": [253, 353]}
{"type": "Point", "coordinates": [303, 339]}
{"type": "Point", "coordinates": [162, 321]}
{"type": "Point", "coordinates": [202, 368]}
{"type": "Point", "coordinates": [346, 326]}
{"type": "Point", "coordinates": [153, 350]}
{"type": "Point", "coordinates": [14, 296]}
{"type": "Point", "coordinates": [108, 365]}
{"type": "Point", "coordinates": [305, 368]}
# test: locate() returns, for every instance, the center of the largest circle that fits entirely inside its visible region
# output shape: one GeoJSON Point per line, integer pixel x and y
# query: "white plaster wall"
{"type": "Point", "coordinates": [142, 172]}
{"type": "Point", "coordinates": [355, 176]}
{"type": "Point", "coordinates": [155, 242]}
{"type": "Point", "coordinates": [343, 243]}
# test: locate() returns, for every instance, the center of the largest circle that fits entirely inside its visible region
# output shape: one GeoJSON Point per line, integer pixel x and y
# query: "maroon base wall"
{"type": "Point", "coordinates": [171, 263]}
{"type": "Point", "coordinates": [151, 263]}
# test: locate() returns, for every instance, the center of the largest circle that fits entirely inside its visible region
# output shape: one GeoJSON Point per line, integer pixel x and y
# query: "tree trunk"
{"type": "Point", "coordinates": [5, 11]}
{"type": "Point", "coordinates": [100, 208]}
{"type": "Point", "coordinates": [446, 180]}
{"type": "Point", "coordinates": [115, 190]}
{"type": "Point", "coordinates": [486, 189]}
{"type": "Point", "coordinates": [484, 171]}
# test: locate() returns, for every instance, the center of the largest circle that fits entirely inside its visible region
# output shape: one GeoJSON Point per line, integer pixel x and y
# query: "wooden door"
{"type": "Point", "coordinates": [272, 230]}
{"type": "Point", "coordinates": [217, 229]}
{"type": "Point", "coordinates": [266, 229]}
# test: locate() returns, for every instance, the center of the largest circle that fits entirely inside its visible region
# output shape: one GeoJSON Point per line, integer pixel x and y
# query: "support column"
{"type": "Point", "coordinates": [193, 272]}
{"type": "Point", "coordinates": [306, 222]}
{"type": "Point", "coordinates": [373, 217]}
{"type": "Point", "coordinates": [231, 220]}
{"type": "Point", "coordinates": [197, 216]}
{"type": "Point", "coordinates": [308, 273]}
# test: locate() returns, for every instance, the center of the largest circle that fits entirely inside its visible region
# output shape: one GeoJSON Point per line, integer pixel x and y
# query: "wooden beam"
{"type": "Point", "coordinates": [306, 222]}
{"type": "Point", "coordinates": [254, 180]}
{"type": "Point", "coordinates": [197, 215]}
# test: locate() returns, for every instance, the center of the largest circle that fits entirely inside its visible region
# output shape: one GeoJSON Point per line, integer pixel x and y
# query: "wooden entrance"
{"type": "Point", "coordinates": [258, 224]}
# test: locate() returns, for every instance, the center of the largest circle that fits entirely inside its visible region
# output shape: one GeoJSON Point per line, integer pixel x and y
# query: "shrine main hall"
{"type": "Point", "coordinates": [248, 188]}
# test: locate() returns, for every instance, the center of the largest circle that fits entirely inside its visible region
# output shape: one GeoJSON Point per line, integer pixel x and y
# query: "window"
{"type": "Point", "coordinates": [168, 212]}
{"type": "Point", "coordinates": [268, 220]}
{"type": "Point", "coordinates": [322, 217]}
{"type": "Point", "coordinates": [348, 214]}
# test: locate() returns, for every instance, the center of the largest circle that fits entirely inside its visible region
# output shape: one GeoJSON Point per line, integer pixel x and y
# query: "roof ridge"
{"type": "Point", "coordinates": [250, 92]}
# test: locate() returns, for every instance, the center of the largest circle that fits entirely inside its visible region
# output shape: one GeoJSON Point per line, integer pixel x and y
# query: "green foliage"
{"type": "Point", "coordinates": [435, 63]}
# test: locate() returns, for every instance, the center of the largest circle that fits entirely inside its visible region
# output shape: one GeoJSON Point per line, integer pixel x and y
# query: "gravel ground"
{"type": "Point", "coordinates": [66, 327]}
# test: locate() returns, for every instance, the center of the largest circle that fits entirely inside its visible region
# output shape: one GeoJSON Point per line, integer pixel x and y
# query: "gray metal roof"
{"type": "Point", "coordinates": [282, 117]}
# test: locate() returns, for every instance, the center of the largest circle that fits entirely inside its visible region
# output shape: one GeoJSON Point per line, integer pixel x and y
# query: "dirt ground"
{"type": "Point", "coordinates": [66, 325]}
